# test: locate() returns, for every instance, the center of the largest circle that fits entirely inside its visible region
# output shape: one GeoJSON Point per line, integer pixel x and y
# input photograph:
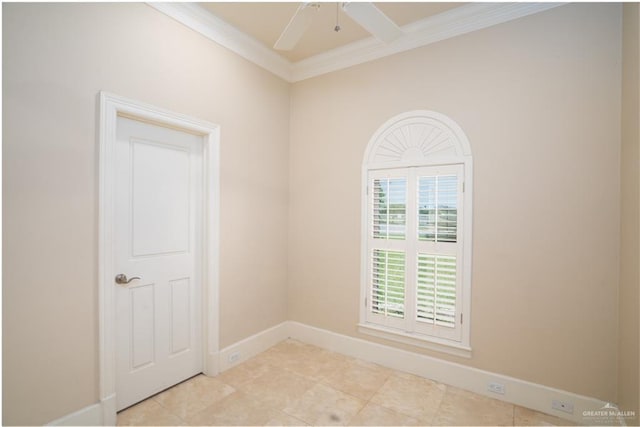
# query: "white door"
{"type": "Point", "coordinates": [158, 238]}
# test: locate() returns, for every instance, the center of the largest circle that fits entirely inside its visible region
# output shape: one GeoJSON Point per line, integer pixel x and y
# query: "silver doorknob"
{"type": "Point", "coordinates": [121, 279]}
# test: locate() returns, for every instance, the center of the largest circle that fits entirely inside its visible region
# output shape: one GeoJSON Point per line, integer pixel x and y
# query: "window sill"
{"type": "Point", "coordinates": [422, 341]}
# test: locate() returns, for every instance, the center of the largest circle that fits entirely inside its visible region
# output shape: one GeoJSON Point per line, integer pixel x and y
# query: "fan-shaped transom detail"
{"type": "Point", "coordinates": [417, 137]}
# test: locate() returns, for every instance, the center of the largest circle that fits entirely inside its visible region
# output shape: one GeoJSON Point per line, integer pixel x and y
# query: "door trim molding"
{"type": "Point", "coordinates": [110, 107]}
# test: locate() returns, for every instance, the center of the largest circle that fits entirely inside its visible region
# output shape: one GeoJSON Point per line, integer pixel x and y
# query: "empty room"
{"type": "Point", "coordinates": [320, 213]}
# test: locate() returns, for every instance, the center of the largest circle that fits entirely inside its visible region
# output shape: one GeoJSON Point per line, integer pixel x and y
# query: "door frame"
{"type": "Point", "coordinates": [110, 107]}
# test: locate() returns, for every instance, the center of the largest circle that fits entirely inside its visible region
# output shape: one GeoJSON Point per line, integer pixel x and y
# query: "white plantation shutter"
{"type": "Point", "coordinates": [437, 290]}
{"type": "Point", "coordinates": [438, 201]}
{"type": "Point", "coordinates": [416, 232]}
{"type": "Point", "coordinates": [387, 284]}
{"type": "Point", "coordinates": [389, 208]}
{"type": "Point", "coordinates": [387, 224]}
{"type": "Point", "coordinates": [439, 251]}
{"type": "Point", "coordinates": [414, 247]}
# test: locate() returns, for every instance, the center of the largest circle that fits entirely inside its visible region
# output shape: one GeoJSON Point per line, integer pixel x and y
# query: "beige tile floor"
{"type": "Point", "coordinates": [298, 384]}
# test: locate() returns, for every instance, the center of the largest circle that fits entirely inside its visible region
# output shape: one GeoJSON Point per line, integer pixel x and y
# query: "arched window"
{"type": "Point", "coordinates": [416, 234]}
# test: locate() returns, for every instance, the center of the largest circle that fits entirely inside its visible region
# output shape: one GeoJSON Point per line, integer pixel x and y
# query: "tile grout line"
{"type": "Point", "coordinates": [211, 404]}
{"type": "Point", "coordinates": [321, 381]}
{"type": "Point", "coordinates": [437, 411]}
{"type": "Point", "coordinates": [367, 401]}
{"type": "Point", "coordinates": [318, 376]}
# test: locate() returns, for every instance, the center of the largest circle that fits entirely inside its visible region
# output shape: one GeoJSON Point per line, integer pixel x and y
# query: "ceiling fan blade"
{"type": "Point", "coordinates": [373, 20]}
{"type": "Point", "coordinates": [297, 26]}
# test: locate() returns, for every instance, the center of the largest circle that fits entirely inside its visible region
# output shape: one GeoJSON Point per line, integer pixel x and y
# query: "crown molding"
{"type": "Point", "coordinates": [451, 23]}
{"type": "Point", "coordinates": [204, 22]}
{"type": "Point", "coordinates": [454, 22]}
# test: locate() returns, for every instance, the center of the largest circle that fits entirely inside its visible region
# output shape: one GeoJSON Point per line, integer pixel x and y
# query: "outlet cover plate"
{"type": "Point", "coordinates": [564, 406]}
{"type": "Point", "coordinates": [496, 388]}
{"type": "Point", "coordinates": [234, 357]}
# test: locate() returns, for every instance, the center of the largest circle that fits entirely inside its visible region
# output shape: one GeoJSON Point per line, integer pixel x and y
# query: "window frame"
{"type": "Point", "coordinates": [399, 135]}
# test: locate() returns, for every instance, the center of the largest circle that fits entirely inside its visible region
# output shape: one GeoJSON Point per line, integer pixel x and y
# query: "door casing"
{"type": "Point", "coordinates": [110, 107]}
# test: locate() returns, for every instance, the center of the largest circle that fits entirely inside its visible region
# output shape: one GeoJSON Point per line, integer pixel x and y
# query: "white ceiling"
{"type": "Point", "coordinates": [265, 21]}
{"type": "Point", "coordinates": [251, 29]}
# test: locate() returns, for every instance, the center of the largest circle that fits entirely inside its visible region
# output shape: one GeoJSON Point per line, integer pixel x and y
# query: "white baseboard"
{"type": "Point", "coordinates": [104, 412]}
{"type": "Point", "coordinates": [252, 345]}
{"type": "Point", "coordinates": [88, 416]}
{"type": "Point", "coordinates": [519, 392]}
{"type": "Point", "coordinates": [98, 414]}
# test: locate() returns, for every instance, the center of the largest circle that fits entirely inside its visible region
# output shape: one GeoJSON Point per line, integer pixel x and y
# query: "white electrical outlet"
{"type": "Point", "coordinates": [234, 357]}
{"type": "Point", "coordinates": [496, 388]}
{"type": "Point", "coordinates": [564, 406]}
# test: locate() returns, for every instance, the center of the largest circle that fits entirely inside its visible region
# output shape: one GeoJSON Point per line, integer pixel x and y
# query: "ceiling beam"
{"type": "Point", "coordinates": [460, 20]}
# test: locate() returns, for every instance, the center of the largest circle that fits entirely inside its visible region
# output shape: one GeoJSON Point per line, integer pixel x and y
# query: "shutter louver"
{"type": "Point", "coordinates": [436, 299]}
{"type": "Point", "coordinates": [389, 208]}
{"type": "Point", "coordinates": [387, 290]}
{"type": "Point", "coordinates": [438, 204]}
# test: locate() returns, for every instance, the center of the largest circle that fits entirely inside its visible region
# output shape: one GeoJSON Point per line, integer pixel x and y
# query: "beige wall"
{"type": "Point", "coordinates": [629, 327]}
{"type": "Point", "coordinates": [56, 57]}
{"type": "Point", "coordinates": [539, 99]}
